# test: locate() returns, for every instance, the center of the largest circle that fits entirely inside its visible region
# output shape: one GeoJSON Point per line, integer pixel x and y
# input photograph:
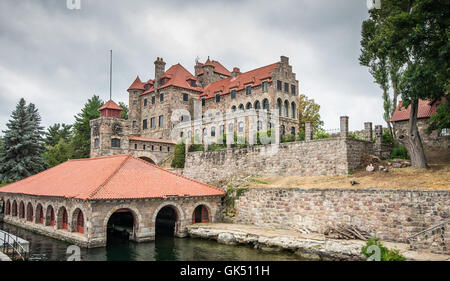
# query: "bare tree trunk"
{"type": "Point", "coordinates": [413, 141]}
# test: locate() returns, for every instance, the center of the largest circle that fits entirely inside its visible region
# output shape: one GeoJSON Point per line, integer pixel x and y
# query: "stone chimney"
{"type": "Point", "coordinates": [344, 126]}
{"type": "Point", "coordinates": [160, 68]}
{"type": "Point", "coordinates": [197, 68]}
{"type": "Point", "coordinates": [236, 71]}
{"type": "Point", "coordinates": [284, 60]}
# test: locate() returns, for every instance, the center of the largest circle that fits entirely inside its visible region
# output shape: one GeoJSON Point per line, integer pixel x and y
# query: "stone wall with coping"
{"type": "Point", "coordinates": [393, 215]}
{"type": "Point", "coordinates": [325, 157]}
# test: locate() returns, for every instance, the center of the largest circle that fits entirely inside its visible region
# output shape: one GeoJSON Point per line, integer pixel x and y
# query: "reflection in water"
{"type": "Point", "coordinates": [162, 249]}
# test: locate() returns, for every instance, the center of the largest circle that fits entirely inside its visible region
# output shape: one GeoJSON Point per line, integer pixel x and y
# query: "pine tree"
{"type": "Point", "coordinates": [22, 144]}
{"type": "Point", "coordinates": [82, 128]}
{"type": "Point", "coordinates": [56, 132]}
{"type": "Point", "coordinates": [59, 153]}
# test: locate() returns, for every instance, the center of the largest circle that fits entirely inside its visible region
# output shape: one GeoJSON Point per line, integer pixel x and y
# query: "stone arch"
{"type": "Point", "coordinates": [21, 210]}
{"type": "Point", "coordinates": [78, 221]}
{"type": "Point", "coordinates": [135, 212]}
{"type": "Point", "coordinates": [233, 108]}
{"type": "Point", "coordinates": [293, 110]}
{"type": "Point", "coordinates": [208, 208]}
{"type": "Point", "coordinates": [14, 209]}
{"type": "Point", "coordinates": [286, 108]}
{"type": "Point", "coordinates": [39, 214]}
{"type": "Point", "coordinates": [146, 156]}
{"type": "Point", "coordinates": [180, 216]}
{"type": "Point", "coordinates": [241, 107]}
{"type": "Point", "coordinates": [266, 104]}
{"type": "Point", "coordinates": [257, 105]}
{"type": "Point", "coordinates": [62, 218]}
{"type": "Point", "coordinates": [30, 212]}
{"type": "Point", "coordinates": [8, 208]}
{"type": "Point", "coordinates": [148, 159]}
{"type": "Point", "coordinates": [248, 106]}
{"type": "Point", "coordinates": [50, 216]}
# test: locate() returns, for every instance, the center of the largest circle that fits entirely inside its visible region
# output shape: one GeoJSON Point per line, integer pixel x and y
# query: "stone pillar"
{"type": "Point", "coordinates": [309, 131]}
{"type": "Point", "coordinates": [368, 131]}
{"type": "Point", "coordinates": [344, 126]}
{"type": "Point", "coordinates": [378, 135]}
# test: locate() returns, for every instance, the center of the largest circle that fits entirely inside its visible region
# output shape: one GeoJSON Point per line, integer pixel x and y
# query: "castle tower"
{"type": "Point", "coordinates": [134, 113]}
{"type": "Point", "coordinates": [109, 133]}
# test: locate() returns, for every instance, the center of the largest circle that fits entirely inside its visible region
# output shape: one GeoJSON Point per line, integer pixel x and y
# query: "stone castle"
{"type": "Point", "coordinates": [177, 104]}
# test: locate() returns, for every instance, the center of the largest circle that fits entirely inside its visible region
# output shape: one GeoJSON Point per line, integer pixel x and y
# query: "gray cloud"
{"type": "Point", "coordinates": [58, 58]}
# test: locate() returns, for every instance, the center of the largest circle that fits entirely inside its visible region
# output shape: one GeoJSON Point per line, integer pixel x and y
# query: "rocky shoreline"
{"type": "Point", "coordinates": [307, 246]}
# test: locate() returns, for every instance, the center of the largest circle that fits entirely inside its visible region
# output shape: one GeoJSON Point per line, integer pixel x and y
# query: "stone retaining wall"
{"type": "Point", "coordinates": [326, 157]}
{"type": "Point", "coordinates": [393, 215]}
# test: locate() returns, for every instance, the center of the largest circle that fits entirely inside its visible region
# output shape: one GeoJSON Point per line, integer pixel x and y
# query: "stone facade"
{"type": "Point", "coordinates": [96, 214]}
{"type": "Point", "coordinates": [434, 140]}
{"type": "Point", "coordinates": [393, 215]}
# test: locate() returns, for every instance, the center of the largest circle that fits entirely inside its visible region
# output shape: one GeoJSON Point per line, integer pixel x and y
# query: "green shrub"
{"type": "Point", "coordinates": [264, 137]}
{"type": "Point", "coordinates": [355, 136]}
{"type": "Point", "coordinates": [196, 147]}
{"type": "Point", "coordinates": [387, 137]}
{"type": "Point", "coordinates": [289, 138]}
{"type": "Point", "coordinates": [179, 156]}
{"type": "Point", "coordinates": [217, 146]}
{"type": "Point", "coordinates": [385, 253]}
{"type": "Point", "coordinates": [399, 151]}
{"type": "Point", "coordinates": [301, 135]}
{"type": "Point", "coordinates": [321, 134]}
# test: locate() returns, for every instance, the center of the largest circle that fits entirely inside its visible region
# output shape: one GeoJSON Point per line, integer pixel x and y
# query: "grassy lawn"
{"type": "Point", "coordinates": [437, 177]}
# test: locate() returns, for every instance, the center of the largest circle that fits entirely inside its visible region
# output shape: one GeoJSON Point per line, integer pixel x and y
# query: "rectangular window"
{"type": "Point", "coordinates": [264, 86]}
{"type": "Point", "coordinates": [153, 100]}
{"type": "Point", "coordinates": [160, 148]}
{"type": "Point", "coordinates": [168, 149]}
{"type": "Point", "coordinates": [145, 102]}
{"type": "Point", "coordinates": [115, 143]}
{"type": "Point", "coordinates": [293, 89]}
{"type": "Point", "coordinates": [152, 122]}
{"type": "Point", "coordinates": [161, 97]}
{"type": "Point", "coordinates": [213, 131]}
{"type": "Point", "coordinates": [134, 102]}
{"type": "Point", "coordinates": [144, 147]}
{"type": "Point", "coordinates": [233, 94]}
{"type": "Point", "coordinates": [203, 102]}
{"type": "Point", "coordinates": [134, 124]}
{"type": "Point", "coordinates": [144, 124]}
{"type": "Point", "coordinates": [217, 97]}
{"type": "Point", "coordinates": [161, 120]}
{"type": "Point", "coordinates": [96, 143]}
{"type": "Point", "coordinates": [135, 146]}
{"type": "Point", "coordinates": [185, 97]}
{"type": "Point", "coordinates": [279, 85]}
{"type": "Point", "coordinates": [153, 147]}
{"type": "Point", "coordinates": [286, 87]}
{"type": "Point", "coordinates": [248, 90]}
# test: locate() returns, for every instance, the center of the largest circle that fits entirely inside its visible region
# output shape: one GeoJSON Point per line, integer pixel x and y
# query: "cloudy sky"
{"type": "Point", "coordinates": [57, 58]}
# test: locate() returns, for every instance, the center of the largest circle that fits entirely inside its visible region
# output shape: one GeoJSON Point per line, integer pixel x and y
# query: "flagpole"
{"type": "Point", "coordinates": [110, 76]}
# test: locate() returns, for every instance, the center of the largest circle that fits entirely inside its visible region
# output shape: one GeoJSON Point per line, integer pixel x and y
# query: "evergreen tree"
{"type": "Point", "coordinates": [59, 153]}
{"type": "Point", "coordinates": [22, 144]}
{"type": "Point", "coordinates": [56, 132]}
{"type": "Point", "coordinates": [82, 129]}
{"type": "Point", "coordinates": [124, 113]}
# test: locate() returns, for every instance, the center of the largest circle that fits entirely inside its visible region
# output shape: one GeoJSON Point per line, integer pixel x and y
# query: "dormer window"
{"type": "Point", "coordinates": [193, 83]}
{"type": "Point", "coordinates": [248, 90]}
{"type": "Point", "coordinates": [264, 86]}
{"type": "Point", "coordinates": [147, 87]}
{"type": "Point", "coordinates": [163, 81]}
{"type": "Point", "coordinates": [217, 96]}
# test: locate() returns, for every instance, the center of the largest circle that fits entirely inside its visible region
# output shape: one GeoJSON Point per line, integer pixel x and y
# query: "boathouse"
{"type": "Point", "coordinates": [81, 201]}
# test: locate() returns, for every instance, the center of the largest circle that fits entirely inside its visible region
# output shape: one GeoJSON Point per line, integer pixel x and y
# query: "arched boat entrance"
{"type": "Point", "coordinates": [121, 226]}
{"type": "Point", "coordinates": [200, 215]}
{"type": "Point", "coordinates": [166, 222]}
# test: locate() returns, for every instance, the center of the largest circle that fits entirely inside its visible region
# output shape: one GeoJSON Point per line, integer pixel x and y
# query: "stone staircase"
{"type": "Point", "coordinates": [435, 238]}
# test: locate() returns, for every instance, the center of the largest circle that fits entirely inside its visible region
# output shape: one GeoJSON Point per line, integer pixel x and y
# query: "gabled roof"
{"type": "Point", "coordinates": [218, 68]}
{"type": "Point", "coordinates": [252, 77]}
{"type": "Point", "coordinates": [110, 105]}
{"type": "Point", "coordinates": [110, 177]}
{"type": "Point", "coordinates": [425, 110]}
{"type": "Point", "coordinates": [137, 85]}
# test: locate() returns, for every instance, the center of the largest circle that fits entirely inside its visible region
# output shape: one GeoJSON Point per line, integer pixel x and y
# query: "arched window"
{"type": "Point", "coordinates": [50, 217]}
{"type": "Point", "coordinates": [233, 108]}
{"type": "Point", "coordinates": [293, 110]}
{"type": "Point", "coordinates": [260, 125]}
{"type": "Point", "coordinates": [249, 105]}
{"type": "Point", "coordinates": [63, 220]}
{"type": "Point", "coordinates": [283, 130]}
{"type": "Point", "coordinates": [29, 212]}
{"type": "Point", "coordinates": [257, 105]}
{"type": "Point", "coordinates": [39, 214]}
{"type": "Point", "coordinates": [213, 131]}
{"type": "Point", "coordinates": [14, 208]}
{"type": "Point", "coordinates": [230, 127]}
{"type": "Point", "coordinates": [21, 210]}
{"type": "Point", "coordinates": [241, 127]}
{"type": "Point", "coordinates": [78, 221]}
{"type": "Point", "coordinates": [286, 109]}
{"type": "Point", "coordinates": [200, 215]}
{"type": "Point", "coordinates": [205, 132]}
{"type": "Point", "coordinates": [241, 107]}
{"type": "Point", "coordinates": [115, 143]}
{"type": "Point", "coordinates": [266, 104]}
{"type": "Point", "coordinates": [8, 208]}
{"type": "Point", "coordinates": [279, 106]}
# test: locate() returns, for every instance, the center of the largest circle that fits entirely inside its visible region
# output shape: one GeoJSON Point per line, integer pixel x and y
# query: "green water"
{"type": "Point", "coordinates": [162, 249]}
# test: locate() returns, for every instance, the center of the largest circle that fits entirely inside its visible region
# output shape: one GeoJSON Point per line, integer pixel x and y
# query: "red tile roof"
{"type": "Point", "coordinates": [218, 67]}
{"type": "Point", "coordinates": [253, 77]}
{"type": "Point", "coordinates": [426, 109]}
{"type": "Point", "coordinates": [111, 177]}
{"type": "Point", "coordinates": [110, 105]}
{"type": "Point", "coordinates": [137, 85]}
{"type": "Point", "coordinates": [136, 138]}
